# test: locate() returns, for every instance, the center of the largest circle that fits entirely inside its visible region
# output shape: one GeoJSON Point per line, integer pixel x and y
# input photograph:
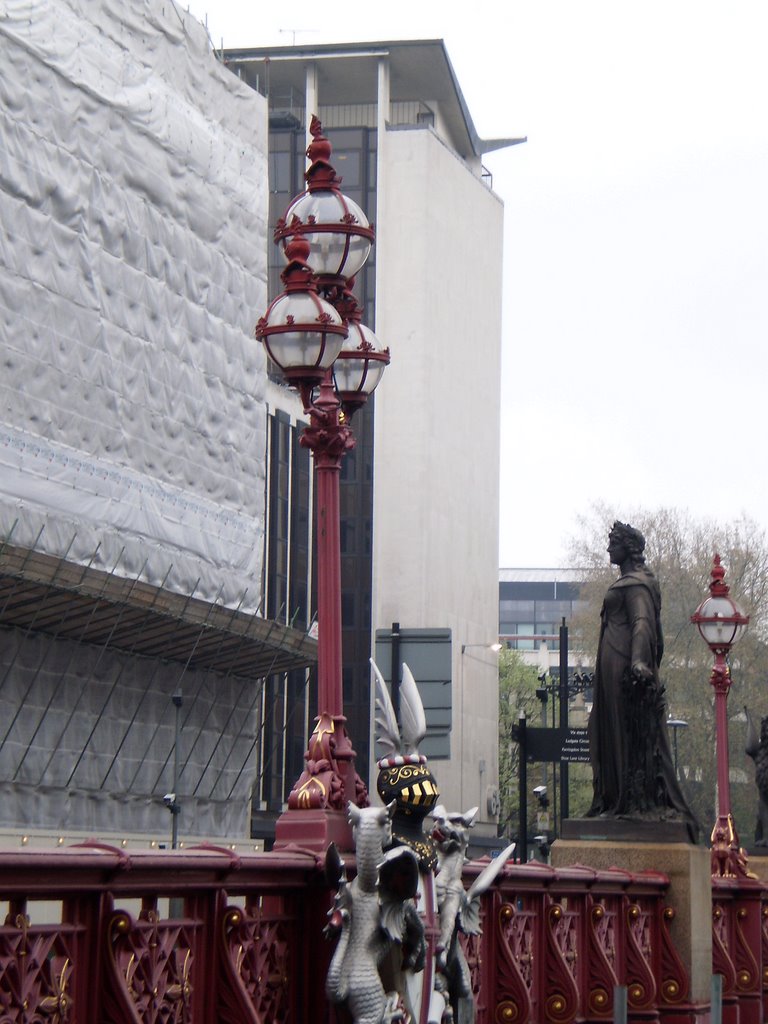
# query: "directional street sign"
{"type": "Point", "coordinates": [557, 745]}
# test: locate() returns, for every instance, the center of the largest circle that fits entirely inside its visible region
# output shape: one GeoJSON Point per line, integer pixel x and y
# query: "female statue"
{"type": "Point", "coordinates": [633, 773]}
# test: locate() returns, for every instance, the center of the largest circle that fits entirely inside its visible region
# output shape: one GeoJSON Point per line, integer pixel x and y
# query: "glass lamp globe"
{"type": "Point", "coordinates": [361, 362]}
{"type": "Point", "coordinates": [337, 230]}
{"type": "Point", "coordinates": [718, 618]}
{"type": "Point", "coordinates": [339, 234]}
{"type": "Point", "coordinates": [301, 332]}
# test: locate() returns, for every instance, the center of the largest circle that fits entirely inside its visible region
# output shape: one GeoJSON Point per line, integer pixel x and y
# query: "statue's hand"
{"type": "Point", "coordinates": [642, 673]}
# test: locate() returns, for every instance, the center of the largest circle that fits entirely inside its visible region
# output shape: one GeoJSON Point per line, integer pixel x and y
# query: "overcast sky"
{"type": "Point", "coordinates": [636, 243]}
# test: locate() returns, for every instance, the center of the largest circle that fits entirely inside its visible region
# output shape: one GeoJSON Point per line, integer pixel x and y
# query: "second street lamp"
{"type": "Point", "coordinates": [314, 326]}
{"type": "Point", "coordinates": [721, 624]}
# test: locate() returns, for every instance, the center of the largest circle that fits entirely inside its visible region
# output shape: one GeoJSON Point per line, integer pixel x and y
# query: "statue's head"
{"type": "Point", "coordinates": [408, 782]}
{"type": "Point", "coordinates": [625, 543]}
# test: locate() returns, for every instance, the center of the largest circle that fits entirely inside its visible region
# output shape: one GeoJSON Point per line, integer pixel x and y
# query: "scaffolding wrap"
{"type": "Point", "coordinates": [133, 206]}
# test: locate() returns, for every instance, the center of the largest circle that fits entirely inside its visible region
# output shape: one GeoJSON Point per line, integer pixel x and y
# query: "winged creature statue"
{"type": "Point", "coordinates": [398, 922]}
{"type": "Point", "coordinates": [371, 914]}
{"type": "Point", "coordinates": [459, 909]}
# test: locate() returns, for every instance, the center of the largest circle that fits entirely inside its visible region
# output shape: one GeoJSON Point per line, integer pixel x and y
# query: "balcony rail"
{"type": "Point", "coordinates": [94, 934]}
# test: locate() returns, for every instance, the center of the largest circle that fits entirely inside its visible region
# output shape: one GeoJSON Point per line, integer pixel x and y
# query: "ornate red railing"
{"type": "Point", "coordinates": [92, 934]}
{"type": "Point", "coordinates": [558, 942]}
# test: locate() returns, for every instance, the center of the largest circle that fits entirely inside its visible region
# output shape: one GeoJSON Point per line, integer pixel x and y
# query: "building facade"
{"type": "Point", "coordinates": [134, 639]}
{"type": "Point", "coordinates": [532, 605]}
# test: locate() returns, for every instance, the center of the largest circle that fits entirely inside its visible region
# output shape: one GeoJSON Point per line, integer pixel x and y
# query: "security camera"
{"type": "Point", "coordinates": [541, 840]}
{"type": "Point", "coordinates": [540, 791]}
{"type": "Point", "coordinates": [169, 799]}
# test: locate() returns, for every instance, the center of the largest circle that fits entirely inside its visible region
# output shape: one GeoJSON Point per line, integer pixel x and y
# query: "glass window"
{"type": "Point", "coordinates": [553, 611]}
{"type": "Point", "coordinates": [279, 172]}
{"type": "Point", "coordinates": [348, 164]}
{"type": "Point", "coordinates": [347, 533]}
{"type": "Point", "coordinates": [347, 609]}
{"type": "Point", "coordinates": [517, 609]}
{"type": "Point", "coordinates": [524, 629]}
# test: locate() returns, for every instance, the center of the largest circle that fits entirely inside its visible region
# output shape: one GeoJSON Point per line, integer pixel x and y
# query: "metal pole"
{"type": "Point", "coordinates": [394, 674]}
{"type": "Point", "coordinates": [716, 1009]}
{"type": "Point", "coordinates": [620, 1004]}
{"type": "Point", "coordinates": [522, 775]}
{"type": "Point", "coordinates": [327, 470]}
{"type": "Point", "coordinates": [564, 795]}
{"type": "Point", "coordinates": [175, 807]}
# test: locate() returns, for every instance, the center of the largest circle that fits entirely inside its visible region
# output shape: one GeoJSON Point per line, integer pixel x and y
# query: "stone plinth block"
{"type": "Point", "coordinates": [690, 892]}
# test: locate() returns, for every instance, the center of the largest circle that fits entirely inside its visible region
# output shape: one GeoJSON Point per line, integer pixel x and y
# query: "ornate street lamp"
{"type": "Point", "coordinates": [314, 336]}
{"type": "Point", "coordinates": [721, 624]}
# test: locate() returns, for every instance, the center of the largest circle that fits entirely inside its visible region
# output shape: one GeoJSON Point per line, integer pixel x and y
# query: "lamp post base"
{"type": "Point", "coordinates": [317, 805]}
{"type": "Point", "coordinates": [314, 830]}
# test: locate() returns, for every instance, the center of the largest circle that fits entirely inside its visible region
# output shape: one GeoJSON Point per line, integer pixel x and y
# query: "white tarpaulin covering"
{"type": "Point", "coordinates": [87, 735]}
{"type": "Point", "coordinates": [133, 205]}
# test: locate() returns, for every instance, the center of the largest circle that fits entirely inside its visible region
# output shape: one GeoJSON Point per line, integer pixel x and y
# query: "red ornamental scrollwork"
{"type": "Point", "coordinates": [675, 983]}
{"type": "Point", "coordinates": [472, 946]}
{"type": "Point", "coordinates": [513, 970]}
{"type": "Point", "coordinates": [257, 966]}
{"type": "Point", "coordinates": [327, 441]}
{"type": "Point", "coordinates": [641, 983]}
{"type": "Point", "coordinates": [562, 993]}
{"type": "Point", "coordinates": [151, 963]}
{"type": "Point", "coordinates": [747, 970]}
{"type": "Point", "coordinates": [601, 958]}
{"type": "Point", "coordinates": [35, 973]}
{"type": "Point", "coordinates": [722, 962]}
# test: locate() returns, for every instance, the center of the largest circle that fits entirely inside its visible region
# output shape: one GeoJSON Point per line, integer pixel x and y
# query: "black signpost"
{"type": "Point", "coordinates": [564, 797]}
{"type": "Point", "coordinates": [561, 745]}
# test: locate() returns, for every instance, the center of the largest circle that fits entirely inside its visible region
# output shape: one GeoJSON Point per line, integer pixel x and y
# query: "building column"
{"type": "Point", "coordinates": [382, 120]}
{"type": "Point", "coordinates": [311, 98]}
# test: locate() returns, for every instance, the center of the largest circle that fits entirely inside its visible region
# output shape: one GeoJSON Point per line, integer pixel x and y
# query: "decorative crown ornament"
{"type": "Point", "coordinates": [404, 775]}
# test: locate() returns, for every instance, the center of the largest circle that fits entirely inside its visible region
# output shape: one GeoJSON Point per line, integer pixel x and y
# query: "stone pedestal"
{"type": "Point", "coordinates": [690, 892]}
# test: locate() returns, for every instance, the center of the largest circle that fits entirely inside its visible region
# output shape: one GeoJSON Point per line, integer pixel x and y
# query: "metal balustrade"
{"type": "Point", "coordinates": [94, 934]}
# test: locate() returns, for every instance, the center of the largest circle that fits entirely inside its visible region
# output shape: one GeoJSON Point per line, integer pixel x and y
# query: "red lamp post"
{"type": "Point", "coordinates": [721, 624]}
{"type": "Point", "coordinates": [314, 335]}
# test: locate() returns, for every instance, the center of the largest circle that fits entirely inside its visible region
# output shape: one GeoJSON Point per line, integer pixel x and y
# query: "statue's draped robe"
{"type": "Point", "coordinates": [632, 765]}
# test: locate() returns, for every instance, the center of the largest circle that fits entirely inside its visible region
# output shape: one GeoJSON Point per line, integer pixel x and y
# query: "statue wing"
{"type": "Point", "coordinates": [411, 713]}
{"type": "Point", "coordinates": [335, 873]}
{"type": "Point", "coordinates": [336, 877]}
{"type": "Point", "coordinates": [398, 883]}
{"type": "Point", "coordinates": [387, 732]}
{"type": "Point", "coordinates": [469, 914]}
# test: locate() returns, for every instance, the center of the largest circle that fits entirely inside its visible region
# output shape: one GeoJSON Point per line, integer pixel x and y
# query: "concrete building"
{"type": "Point", "coordinates": [420, 535]}
{"type": "Point", "coordinates": [133, 216]}
{"type": "Point", "coordinates": [533, 603]}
